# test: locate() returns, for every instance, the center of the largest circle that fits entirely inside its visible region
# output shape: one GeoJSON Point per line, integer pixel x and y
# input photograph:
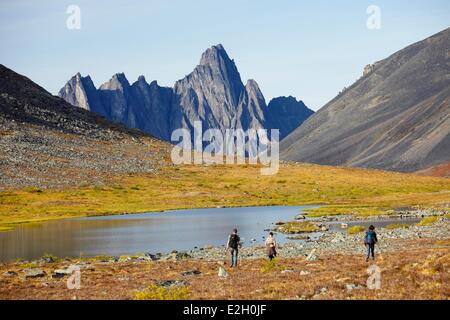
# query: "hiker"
{"type": "Point", "coordinates": [233, 245]}
{"type": "Point", "coordinates": [369, 240]}
{"type": "Point", "coordinates": [271, 246]}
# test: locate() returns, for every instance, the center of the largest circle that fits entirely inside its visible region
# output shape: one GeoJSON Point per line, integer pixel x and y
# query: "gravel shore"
{"type": "Point", "coordinates": [336, 242]}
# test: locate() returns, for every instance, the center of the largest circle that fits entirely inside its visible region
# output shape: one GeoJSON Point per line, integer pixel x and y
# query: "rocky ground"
{"type": "Point", "coordinates": [46, 142]}
{"type": "Point", "coordinates": [339, 242]}
{"type": "Point", "coordinates": [413, 262]}
{"type": "Point", "coordinates": [34, 157]}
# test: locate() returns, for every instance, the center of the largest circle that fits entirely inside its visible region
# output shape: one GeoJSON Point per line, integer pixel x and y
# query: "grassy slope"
{"type": "Point", "coordinates": [345, 190]}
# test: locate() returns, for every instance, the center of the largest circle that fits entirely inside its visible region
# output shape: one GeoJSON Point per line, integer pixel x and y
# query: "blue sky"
{"type": "Point", "coordinates": [308, 49]}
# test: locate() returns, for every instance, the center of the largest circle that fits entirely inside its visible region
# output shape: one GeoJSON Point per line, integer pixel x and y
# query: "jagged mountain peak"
{"type": "Point", "coordinates": [290, 99]}
{"type": "Point", "coordinates": [252, 88]}
{"type": "Point", "coordinates": [79, 77]}
{"type": "Point", "coordinates": [251, 83]}
{"type": "Point", "coordinates": [117, 81]}
{"type": "Point", "coordinates": [77, 91]}
{"type": "Point", "coordinates": [141, 82]}
{"type": "Point", "coordinates": [213, 93]}
{"type": "Point", "coordinates": [141, 78]}
{"type": "Point", "coordinates": [214, 54]}
{"type": "Point", "coordinates": [120, 77]}
{"type": "Point", "coordinates": [217, 61]}
{"type": "Point", "coordinates": [35, 106]}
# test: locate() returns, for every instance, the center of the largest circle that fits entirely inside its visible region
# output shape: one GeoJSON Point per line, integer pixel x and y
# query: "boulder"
{"type": "Point", "coordinates": [125, 259]}
{"type": "Point", "coordinates": [34, 273]}
{"type": "Point", "coordinates": [175, 256]}
{"type": "Point", "coordinates": [60, 273]}
{"type": "Point", "coordinates": [148, 257]}
{"type": "Point", "coordinates": [172, 283]}
{"type": "Point", "coordinates": [287, 271]}
{"type": "Point", "coordinates": [222, 272]}
{"type": "Point", "coordinates": [350, 287]}
{"type": "Point", "coordinates": [47, 259]}
{"type": "Point", "coordinates": [190, 273]}
{"type": "Point", "coordinates": [312, 256]}
{"type": "Point", "coordinates": [10, 274]}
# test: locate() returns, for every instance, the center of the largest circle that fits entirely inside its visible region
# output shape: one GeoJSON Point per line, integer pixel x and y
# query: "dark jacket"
{"type": "Point", "coordinates": [233, 241]}
{"type": "Point", "coordinates": [371, 237]}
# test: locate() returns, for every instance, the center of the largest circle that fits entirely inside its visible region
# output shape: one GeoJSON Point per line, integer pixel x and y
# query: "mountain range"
{"type": "Point", "coordinates": [395, 117]}
{"type": "Point", "coordinates": [212, 93]}
{"type": "Point", "coordinates": [46, 142]}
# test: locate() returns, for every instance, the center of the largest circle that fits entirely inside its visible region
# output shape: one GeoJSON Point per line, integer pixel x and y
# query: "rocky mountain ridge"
{"type": "Point", "coordinates": [396, 117]}
{"type": "Point", "coordinates": [212, 93]}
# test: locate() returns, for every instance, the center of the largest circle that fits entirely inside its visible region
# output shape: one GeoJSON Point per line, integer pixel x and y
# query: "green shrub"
{"type": "Point", "coordinates": [154, 292]}
{"type": "Point", "coordinates": [269, 265]}
{"type": "Point", "coordinates": [427, 221]}
{"type": "Point", "coordinates": [33, 190]}
{"type": "Point", "coordinates": [28, 265]}
{"type": "Point", "coordinates": [51, 257]}
{"type": "Point", "coordinates": [356, 229]}
{"type": "Point", "coordinates": [102, 258]}
{"type": "Point", "coordinates": [297, 227]}
{"type": "Point", "coordinates": [397, 226]}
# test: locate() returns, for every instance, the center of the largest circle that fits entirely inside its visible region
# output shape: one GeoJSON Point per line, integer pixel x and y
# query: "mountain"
{"type": "Point", "coordinates": [212, 93]}
{"type": "Point", "coordinates": [288, 114]}
{"type": "Point", "coordinates": [46, 142]}
{"type": "Point", "coordinates": [396, 117]}
{"type": "Point", "coordinates": [81, 92]}
{"type": "Point", "coordinates": [140, 105]}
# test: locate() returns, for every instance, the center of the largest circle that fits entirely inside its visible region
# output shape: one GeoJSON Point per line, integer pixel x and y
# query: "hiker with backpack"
{"type": "Point", "coordinates": [369, 240]}
{"type": "Point", "coordinates": [271, 245]}
{"type": "Point", "coordinates": [233, 245]}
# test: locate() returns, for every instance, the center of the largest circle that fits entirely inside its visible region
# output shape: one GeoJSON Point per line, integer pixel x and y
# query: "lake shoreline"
{"type": "Point", "coordinates": [326, 242]}
{"type": "Point", "coordinates": [332, 268]}
{"type": "Point", "coordinates": [9, 226]}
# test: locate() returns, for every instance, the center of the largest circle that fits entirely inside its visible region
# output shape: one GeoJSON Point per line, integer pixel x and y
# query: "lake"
{"type": "Point", "coordinates": [180, 230]}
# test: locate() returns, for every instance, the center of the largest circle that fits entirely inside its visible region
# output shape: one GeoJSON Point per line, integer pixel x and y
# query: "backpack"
{"type": "Point", "coordinates": [234, 241]}
{"type": "Point", "coordinates": [370, 237]}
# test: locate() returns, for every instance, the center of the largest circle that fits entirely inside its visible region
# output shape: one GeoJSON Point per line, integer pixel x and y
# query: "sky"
{"type": "Point", "coordinates": [307, 49]}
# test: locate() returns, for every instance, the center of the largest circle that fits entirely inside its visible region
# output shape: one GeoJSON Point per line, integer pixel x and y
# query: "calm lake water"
{"type": "Point", "coordinates": [139, 233]}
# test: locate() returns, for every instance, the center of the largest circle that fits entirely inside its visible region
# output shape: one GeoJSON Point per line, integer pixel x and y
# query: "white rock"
{"type": "Point", "coordinates": [222, 272]}
{"type": "Point", "coordinates": [287, 271]}
{"type": "Point", "coordinates": [311, 256]}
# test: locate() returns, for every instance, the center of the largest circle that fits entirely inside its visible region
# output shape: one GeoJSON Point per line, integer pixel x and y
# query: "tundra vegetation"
{"type": "Point", "coordinates": [298, 227]}
{"type": "Point", "coordinates": [155, 292]}
{"type": "Point", "coordinates": [341, 191]}
{"type": "Point", "coordinates": [356, 229]}
{"type": "Point", "coordinates": [420, 274]}
{"type": "Point", "coordinates": [427, 221]}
